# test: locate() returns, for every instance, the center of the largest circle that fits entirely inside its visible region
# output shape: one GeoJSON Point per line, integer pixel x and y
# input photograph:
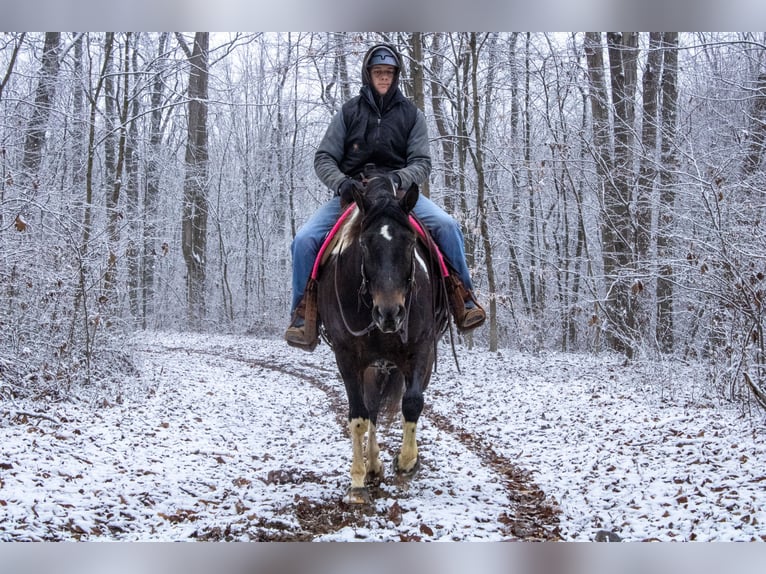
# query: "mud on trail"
{"type": "Point", "coordinates": [528, 514]}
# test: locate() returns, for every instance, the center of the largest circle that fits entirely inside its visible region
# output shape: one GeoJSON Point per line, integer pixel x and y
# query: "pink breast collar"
{"type": "Point", "coordinates": [342, 219]}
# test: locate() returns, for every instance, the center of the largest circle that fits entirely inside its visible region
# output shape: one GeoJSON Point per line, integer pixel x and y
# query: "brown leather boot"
{"type": "Point", "coordinates": [465, 308]}
{"type": "Point", "coordinates": [302, 332]}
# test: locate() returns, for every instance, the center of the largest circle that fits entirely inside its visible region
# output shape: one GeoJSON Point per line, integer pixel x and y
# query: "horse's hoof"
{"type": "Point", "coordinates": [357, 495]}
{"type": "Point", "coordinates": [404, 472]}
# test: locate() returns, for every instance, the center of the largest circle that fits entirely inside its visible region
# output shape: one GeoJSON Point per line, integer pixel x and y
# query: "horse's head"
{"type": "Point", "coordinates": [388, 249]}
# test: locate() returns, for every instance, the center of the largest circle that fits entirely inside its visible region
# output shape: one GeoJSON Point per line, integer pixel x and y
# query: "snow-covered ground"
{"type": "Point", "coordinates": [238, 438]}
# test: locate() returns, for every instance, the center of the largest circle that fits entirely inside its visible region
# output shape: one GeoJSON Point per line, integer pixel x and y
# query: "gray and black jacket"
{"type": "Point", "coordinates": [390, 132]}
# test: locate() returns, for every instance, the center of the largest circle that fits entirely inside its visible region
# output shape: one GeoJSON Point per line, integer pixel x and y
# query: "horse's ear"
{"type": "Point", "coordinates": [410, 198]}
{"type": "Point", "coordinates": [360, 198]}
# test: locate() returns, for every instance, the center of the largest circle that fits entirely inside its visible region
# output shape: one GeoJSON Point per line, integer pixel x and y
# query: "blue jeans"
{"type": "Point", "coordinates": [305, 247]}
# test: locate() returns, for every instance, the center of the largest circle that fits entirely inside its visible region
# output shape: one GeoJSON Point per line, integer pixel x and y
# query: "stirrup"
{"type": "Point", "coordinates": [466, 310]}
{"type": "Point", "coordinates": [302, 332]}
{"type": "Point", "coordinates": [296, 337]}
{"type": "Point", "coordinates": [472, 317]}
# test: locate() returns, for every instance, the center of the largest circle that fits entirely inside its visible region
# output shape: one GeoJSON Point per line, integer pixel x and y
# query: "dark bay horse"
{"type": "Point", "coordinates": [383, 309]}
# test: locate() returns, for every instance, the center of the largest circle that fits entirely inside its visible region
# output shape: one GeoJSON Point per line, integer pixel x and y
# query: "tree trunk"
{"type": "Point", "coordinates": [667, 191]}
{"type": "Point", "coordinates": [150, 251]}
{"type": "Point", "coordinates": [481, 202]}
{"type": "Point", "coordinates": [12, 62]}
{"type": "Point", "coordinates": [618, 224]}
{"type": "Point", "coordinates": [445, 135]}
{"type": "Point", "coordinates": [462, 104]}
{"type": "Point", "coordinates": [89, 175]}
{"type": "Point", "coordinates": [195, 206]}
{"type": "Point", "coordinates": [602, 153]}
{"type": "Point", "coordinates": [81, 294]}
{"type": "Point", "coordinates": [535, 290]}
{"type": "Point", "coordinates": [418, 85]}
{"type": "Point", "coordinates": [116, 115]}
{"type": "Point", "coordinates": [132, 252]}
{"type": "Point", "coordinates": [79, 121]}
{"type": "Point", "coordinates": [514, 262]}
{"type": "Point", "coordinates": [613, 171]}
{"type": "Point", "coordinates": [646, 180]}
{"type": "Point", "coordinates": [342, 67]}
{"type": "Point", "coordinates": [44, 95]}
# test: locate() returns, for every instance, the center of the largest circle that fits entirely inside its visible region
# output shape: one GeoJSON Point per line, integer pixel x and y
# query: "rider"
{"type": "Point", "coordinates": [379, 126]}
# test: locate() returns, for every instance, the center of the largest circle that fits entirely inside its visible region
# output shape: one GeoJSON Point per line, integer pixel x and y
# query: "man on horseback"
{"type": "Point", "coordinates": [380, 126]}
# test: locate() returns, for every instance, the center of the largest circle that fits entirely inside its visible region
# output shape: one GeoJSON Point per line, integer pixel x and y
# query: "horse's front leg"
{"type": "Point", "coordinates": [357, 428]}
{"type": "Point", "coordinates": [407, 461]}
{"type": "Point", "coordinates": [358, 424]}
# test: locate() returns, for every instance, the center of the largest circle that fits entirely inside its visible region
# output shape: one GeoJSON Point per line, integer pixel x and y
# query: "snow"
{"type": "Point", "coordinates": [226, 437]}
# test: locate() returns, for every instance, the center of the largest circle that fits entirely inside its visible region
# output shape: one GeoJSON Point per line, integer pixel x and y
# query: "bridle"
{"type": "Point", "coordinates": [364, 289]}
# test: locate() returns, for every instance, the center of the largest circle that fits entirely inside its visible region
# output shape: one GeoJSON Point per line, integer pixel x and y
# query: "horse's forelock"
{"type": "Point", "coordinates": [388, 208]}
{"type": "Point", "coordinates": [383, 203]}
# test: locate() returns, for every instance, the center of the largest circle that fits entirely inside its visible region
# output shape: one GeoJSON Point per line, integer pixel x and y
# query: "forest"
{"type": "Point", "coordinates": [610, 187]}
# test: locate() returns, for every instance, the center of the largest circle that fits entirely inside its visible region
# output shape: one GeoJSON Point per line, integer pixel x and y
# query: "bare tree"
{"type": "Point", "coordinates": [132, 180]}
{"type": "Point", "coordinates": [481, 191]}
{"type": "Point", "coordinates": [41, 110]}
{"type": "Point", "coordinates": [418, 80]}
{"type": "Point", "coordinates": [602, 147]}
{"type": "Point", "coordinates": [613, 155]}
{"type": "Point", "coordinates": [441, 119]}
{"type": "Point", "coordinates": [117, 115]}
{"type": "Point", "coordinates": [150, 249]}
{"type": "Point", "coordinates": [668, 179]}
{"type": "Point", "coordinates": [646, 180]}
{"type": "Point", "coordinates": [195, 207]}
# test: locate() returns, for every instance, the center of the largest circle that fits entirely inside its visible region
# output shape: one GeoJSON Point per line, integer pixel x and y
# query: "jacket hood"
{"type": "Point", "coordinates": [366, 81]}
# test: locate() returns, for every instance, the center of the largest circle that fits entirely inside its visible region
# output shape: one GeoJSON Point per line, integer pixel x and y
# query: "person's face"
{"type": "Point", "coordinates": [382, 76]}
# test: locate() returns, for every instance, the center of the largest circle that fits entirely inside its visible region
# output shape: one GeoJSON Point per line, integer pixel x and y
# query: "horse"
{"type": "Point", "coordinates": [382, 308]}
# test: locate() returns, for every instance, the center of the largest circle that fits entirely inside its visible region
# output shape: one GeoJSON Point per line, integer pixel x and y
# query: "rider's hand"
{"type": "Point", "coordinates": [346, 190]}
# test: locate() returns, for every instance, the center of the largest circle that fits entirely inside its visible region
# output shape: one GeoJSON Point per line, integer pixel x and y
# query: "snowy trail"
{"type": "Point", "coordinates": [236, 438]}
{"type": "Point", "coordinates": [239, 444]}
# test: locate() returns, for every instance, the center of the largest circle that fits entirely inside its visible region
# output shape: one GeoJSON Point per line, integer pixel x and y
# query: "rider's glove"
{"type": "Point", "coordinates": [346, 188]}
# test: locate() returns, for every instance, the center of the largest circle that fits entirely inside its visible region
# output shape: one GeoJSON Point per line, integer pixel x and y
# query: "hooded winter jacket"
{"type": "Point", "coordinates": [388, 131]}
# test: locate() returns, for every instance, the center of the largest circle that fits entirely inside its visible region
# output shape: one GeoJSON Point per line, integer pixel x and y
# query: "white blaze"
{"type": "Point", "coordinates": [385, 233]}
